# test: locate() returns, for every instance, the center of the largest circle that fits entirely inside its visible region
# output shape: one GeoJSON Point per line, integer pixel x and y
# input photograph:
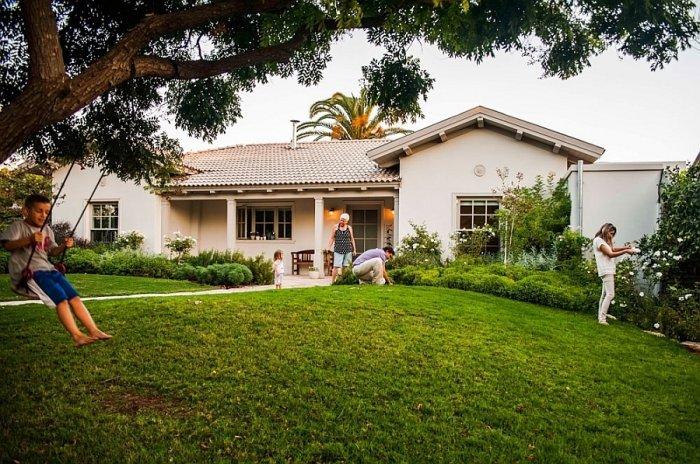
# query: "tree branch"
{"type": "Point", "coordinates": [155, 66]}
{"type": "Point", "coordinates": [46, 63]}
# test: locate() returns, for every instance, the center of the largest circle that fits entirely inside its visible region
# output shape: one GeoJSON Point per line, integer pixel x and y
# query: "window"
{"type": "Point", "coordinates": [105, 222]}
{"type": "Point", "coordinates": [264, 222]}
{"type": "Point", "coordinates": [475, 213]}
{"type": "Point", "coordinates": [365, 228]}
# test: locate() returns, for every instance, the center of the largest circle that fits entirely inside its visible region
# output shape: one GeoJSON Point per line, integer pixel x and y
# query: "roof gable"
{"type": "Point", "coordinates": [481, 117]}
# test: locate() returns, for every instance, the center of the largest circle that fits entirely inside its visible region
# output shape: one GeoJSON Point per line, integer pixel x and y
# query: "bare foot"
{"type": "Point", "coordinates": [100, 335]}
{"type": "Point", "coordinates": [83, 340]}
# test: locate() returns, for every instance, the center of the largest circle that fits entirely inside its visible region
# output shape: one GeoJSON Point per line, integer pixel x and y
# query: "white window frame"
{"type": "Point", "coordinates": [458, 198]}
{"type": "Point", "coordinates": [92, 218]}
{"type": "Point", "coordinates": [252, 207]}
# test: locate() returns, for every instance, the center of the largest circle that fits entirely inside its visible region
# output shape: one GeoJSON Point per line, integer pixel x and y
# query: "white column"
{"type": "Point", "coordinates": [164, 222]}
{"type": "Point", "coordinates": [195, 209]}
{"type": "Point", "coordinates": [318, 234]}
{"type": "Point", "coordinates": [395, 240]}
{"type": "Point", "coordinates": [231, 223]}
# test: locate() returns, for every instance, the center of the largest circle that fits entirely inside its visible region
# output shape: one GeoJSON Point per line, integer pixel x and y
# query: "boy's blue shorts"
{"type": "Point", "coordinates": [55, 285]}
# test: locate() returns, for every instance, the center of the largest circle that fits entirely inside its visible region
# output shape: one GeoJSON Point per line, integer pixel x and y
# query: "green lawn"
{"type": "Point", "coordinates": [354, 374]}
{"type": "Point", "coordinates": [102, 285]}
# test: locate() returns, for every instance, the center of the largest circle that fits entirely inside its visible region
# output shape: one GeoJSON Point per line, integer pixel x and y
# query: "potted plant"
{"type": "Point", "coordinates": [314, 273]}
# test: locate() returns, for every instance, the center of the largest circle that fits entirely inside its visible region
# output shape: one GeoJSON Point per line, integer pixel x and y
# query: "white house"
{"type": "Point", "coordinates": [262, 197]}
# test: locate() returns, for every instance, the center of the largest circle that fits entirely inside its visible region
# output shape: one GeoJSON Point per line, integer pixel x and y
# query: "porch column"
{"type": "Point", "coordinates": [318, 234]}
{"type": "Point", "coordinates": [396, 220]}
{"type": "Point", "coordinates": [230, 223]}
{"type": "Point", "coordinates": [164, 222]}
{"type": "Point", "coordinates": [195, 213]}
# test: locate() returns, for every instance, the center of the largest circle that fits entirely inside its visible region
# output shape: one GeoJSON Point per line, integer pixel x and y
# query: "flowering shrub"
{"type": "Point", "coordinates": [180, 244]}
{"type": "Point", "coordinates": [132, 240]}
{"type": "Point", "coordinates": [674, 249]}
{"type": "Point", "coordinates": [471, 242]}
{"type": "Point", "coordinates": [421, 248]}
{"type": "Point", "coordinates": [569, 247]}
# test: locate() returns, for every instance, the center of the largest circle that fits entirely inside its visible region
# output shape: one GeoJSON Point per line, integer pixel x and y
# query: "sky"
{"type": "Point", "coordinates": [617, 103]}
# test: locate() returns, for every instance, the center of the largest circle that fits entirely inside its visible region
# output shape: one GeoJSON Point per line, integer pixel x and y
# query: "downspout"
{"type": "Point", "coordinates": [579, 182]}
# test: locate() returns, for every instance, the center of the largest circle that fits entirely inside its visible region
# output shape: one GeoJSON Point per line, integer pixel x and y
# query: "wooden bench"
{"type": "Point", "coordinates": [307, 257]}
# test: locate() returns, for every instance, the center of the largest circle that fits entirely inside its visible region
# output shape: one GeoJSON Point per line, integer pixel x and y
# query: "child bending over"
{"type": "Point", "coordinates": [19, 239]}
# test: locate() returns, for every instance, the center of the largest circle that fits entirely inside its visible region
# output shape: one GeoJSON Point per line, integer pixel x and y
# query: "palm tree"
{"type": "Point", "coordinates": [343, 117]}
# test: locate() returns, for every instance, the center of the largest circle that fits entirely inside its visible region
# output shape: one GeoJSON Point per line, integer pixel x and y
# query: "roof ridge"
{"type": "Point", "coordinates": [277, 144]}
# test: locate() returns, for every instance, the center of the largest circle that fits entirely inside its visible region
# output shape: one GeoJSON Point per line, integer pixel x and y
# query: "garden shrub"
{"type": "Point", "coordinates": [471, 242]}
{"type": "Point", "coordinates": [261, 269]}
{"type": "Point", "coordinates": [419, 248]}
{"type": "Point", "coordinates": [131, 240]}
{"type": "Point", "coordinates": [4, 260]}
{"type": "Point", "coordinates": [542, 260]}
{"type": "Point", "coordinates": [185, 272]}
{"type": "Point", "coordinates": [347, 278]}
{"type": "Point", "coordinates": [569, 248]}
{"type": "Point", "coordinates": [83, 261]}
{"type": "Point", "coordinates": [133, 263]}
{"type": "Point", "coordinates": [229, 274]}
{"type": "Point", "coordinates": [208, 257]}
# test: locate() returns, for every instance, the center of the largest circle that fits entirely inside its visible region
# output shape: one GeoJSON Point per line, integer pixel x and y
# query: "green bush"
{"type": "Point", "coordinates": [133, 263]}
{"type": "Point", "coordinates": [569, 248]}
{"type": "Point", "coordinates": [131, 240]}
{"type": "Point", "coordinates": [83, 261]}
{"type": "Point", "coordinates": [420, 248]}
{"type": "Point", "coordinates": [229, 275]}
{"type": "Point", "coordinates": [261, 269]}
{"type": "Point", "coordinates": [4, 260]}
{"type": "Point", "coordinates": [185, 272]}
{"type": "Point", "coordinates": [208, 257]}
{"type": "Point", "coordinates": [347, 278]}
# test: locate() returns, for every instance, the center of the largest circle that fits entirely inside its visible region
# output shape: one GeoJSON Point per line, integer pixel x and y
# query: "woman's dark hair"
{"type": "Point", "coordinates": [278, 255]}
{"type": "Point", "coordinates": [389, 249]}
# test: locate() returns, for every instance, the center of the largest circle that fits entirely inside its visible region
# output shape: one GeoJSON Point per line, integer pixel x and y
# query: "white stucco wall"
{"type": "Point", "coordinates": [432, 178]}
{"type": "Point", "coordinates": [625, 194]}
{"type": "Point", "coordinates": [138, 209]}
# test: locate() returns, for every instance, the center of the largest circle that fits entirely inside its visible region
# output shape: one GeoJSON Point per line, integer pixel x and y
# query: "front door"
{"type": "Point", "coordinates": [365, 226]}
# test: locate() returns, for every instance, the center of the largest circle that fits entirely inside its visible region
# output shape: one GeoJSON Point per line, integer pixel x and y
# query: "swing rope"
{"type": "Point", "coordinates": [26, 272]}
{"type": "Point", "coordinates": [59, 265]}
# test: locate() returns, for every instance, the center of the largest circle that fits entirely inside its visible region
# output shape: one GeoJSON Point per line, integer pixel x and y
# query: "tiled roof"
{"type": "Point", "coordinates": [327, 162]}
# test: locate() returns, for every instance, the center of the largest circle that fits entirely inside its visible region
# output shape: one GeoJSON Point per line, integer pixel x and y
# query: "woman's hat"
{"type": "Point", "coordinates": [345, 216]}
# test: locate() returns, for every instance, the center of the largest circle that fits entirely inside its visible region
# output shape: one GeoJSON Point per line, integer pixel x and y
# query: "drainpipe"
{"type": "Point", "coordinates": [294, 133]}
{"type": "Point", "coordinates": [579, 182]}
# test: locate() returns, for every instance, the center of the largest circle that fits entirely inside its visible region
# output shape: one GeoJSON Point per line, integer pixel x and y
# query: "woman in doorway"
{"type": "Point", "coordinates": [342, 242]}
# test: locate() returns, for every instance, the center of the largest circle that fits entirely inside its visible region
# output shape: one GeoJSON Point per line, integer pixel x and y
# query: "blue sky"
{"type": "Point", "coordinates": [617, 103]}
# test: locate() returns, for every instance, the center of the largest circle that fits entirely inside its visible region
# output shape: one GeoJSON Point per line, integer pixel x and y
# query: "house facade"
{"type": "Point", "coordinates": [263, 197]}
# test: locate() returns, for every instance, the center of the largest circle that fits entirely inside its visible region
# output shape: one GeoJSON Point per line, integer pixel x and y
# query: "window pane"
{"type": "Point", "coordinates": [259, 215]}
{"type": "Point", "coordinates": [465, 222]}
{"type": "Point", "coordinates": [480, 209]}
{"type": "Point", "coordinates": [359, 230]}
{"type": "Point", "coordinates": [113, 224]}
{"type": "Point", "coordinates": [288, 231]}
{"type": "Point", "coordinates": [465, 209]}
{"type": "Point", "coordinates": [358, 216]}
{"type": "Point", "coordinates": [479, 221]}
{"type": "Point", "coordinates": [371, 216]}
{"type": "Point", "coordinates": [269, 215]}
{"type": "Point", "coordinates": [492, 208]}
{"type": "Point", "coordinates": [371, 231]}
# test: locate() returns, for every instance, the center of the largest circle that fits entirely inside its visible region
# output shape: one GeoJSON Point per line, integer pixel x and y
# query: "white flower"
{"type": "Point", "coordinates": [612, 302]}
{"type": "Point", "coordinates": [641, 293]}
{"type": "Point", "coordinates": [415, 245]}
{"type": "Point", "coordinates": [622, 305]}
{"type": "Point", "coordinates": [631, 273]}
{"type": "Point", "coordinates": [657, 253]}
{"type": "Point", "coordinates": [688, 296]}
{"type": "Point", "coordinates": [680, 240]}
{"type": "Point", "coordinates": [658, 274]}
{"type": "Point", "coordinates": [657, 325]}
{"type": "Point", "coordinates": [681, 298]}
{"type": "Point", "coordinates": [678, 257]}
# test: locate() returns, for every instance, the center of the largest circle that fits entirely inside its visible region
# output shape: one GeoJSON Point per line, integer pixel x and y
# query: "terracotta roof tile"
{"type": "Point", "coordinates": [327, 162]}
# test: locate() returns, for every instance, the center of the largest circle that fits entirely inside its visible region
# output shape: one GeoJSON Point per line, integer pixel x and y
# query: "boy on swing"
{"type": "Point", "coordinates": [19, 239]}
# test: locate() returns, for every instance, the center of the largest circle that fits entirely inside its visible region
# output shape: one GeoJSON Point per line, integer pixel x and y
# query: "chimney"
{"type": "Point", "coordinates": [294, 133]}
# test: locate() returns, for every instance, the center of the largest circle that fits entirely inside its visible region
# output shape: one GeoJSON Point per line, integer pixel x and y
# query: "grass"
{"type": "Point", "coordinates": [103, 285]}
{"type": "Point", "coordinates": [354, 374]}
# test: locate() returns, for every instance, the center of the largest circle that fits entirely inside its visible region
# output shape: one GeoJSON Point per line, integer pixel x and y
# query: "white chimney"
{"type": "Point", "coordinates": [294, 133]}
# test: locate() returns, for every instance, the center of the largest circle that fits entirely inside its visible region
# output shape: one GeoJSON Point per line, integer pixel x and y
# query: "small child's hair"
{"type": "Point", "coordinates": [278, 255]}
{"type": "Point", "coordinates": [35, 198]}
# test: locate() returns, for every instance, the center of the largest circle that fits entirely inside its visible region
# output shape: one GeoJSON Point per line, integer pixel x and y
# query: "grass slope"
{"type": "Point", "coordinates": [356, 374]}
{"type": "Point", "coordinates": [103, 285]}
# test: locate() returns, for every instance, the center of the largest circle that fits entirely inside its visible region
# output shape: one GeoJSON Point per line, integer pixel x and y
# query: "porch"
{"type": "Point", "coordinates": [291, 221]}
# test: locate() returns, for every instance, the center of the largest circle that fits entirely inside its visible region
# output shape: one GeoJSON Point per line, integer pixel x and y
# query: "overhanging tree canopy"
{"type": "Point", "coordinates": [86, 79]}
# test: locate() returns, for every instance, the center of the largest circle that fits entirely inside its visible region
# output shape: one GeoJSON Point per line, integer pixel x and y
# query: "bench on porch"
{"type": "Point", "coordinates": [307, 257]}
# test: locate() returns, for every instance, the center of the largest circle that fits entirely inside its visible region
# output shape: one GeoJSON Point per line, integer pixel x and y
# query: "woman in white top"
{"type": "Point", "coordinates": [605, 253]}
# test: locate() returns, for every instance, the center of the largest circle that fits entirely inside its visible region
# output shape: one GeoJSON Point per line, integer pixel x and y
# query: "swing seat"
{"type": "Point", "coordinates": [33, 292]}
